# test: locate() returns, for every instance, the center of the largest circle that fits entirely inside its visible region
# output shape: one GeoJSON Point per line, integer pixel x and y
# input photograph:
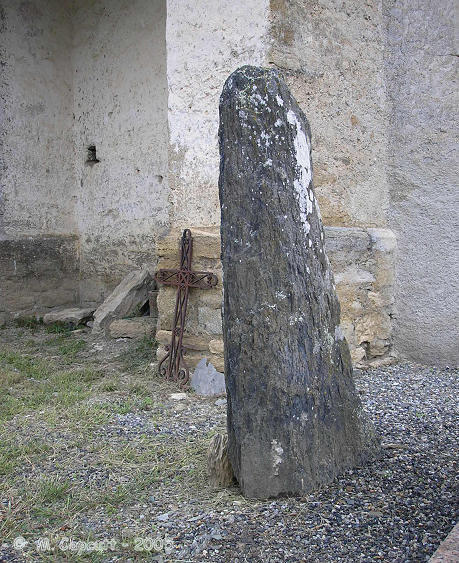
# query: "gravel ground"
{"type": "Point", "coordinates": [398, 509]}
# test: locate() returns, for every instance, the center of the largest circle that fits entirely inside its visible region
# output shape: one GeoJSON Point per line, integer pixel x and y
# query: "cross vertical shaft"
{"type": "Point", "coordinates": [173, 365]}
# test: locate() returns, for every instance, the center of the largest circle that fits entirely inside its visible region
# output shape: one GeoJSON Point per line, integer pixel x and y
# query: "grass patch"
{"type": "Point", "coordinates": [69, 350]}
{"type": "Point", "coordinates": [13, 454]}
{"type": "Point", "coordinates": [28, 384]}
{"type": "Point", "coordinates": [61, 463]}
{"type": "Point", "coordinates": [32, 323]}
{"type": "Point", "coordinates": [139, 357]}
{"type": "Point", "coordinates": [53, 489]}
{"type": "Point", "coordinates": [22, 365]}
{"type": "Point", "coordinates": [59, 328]}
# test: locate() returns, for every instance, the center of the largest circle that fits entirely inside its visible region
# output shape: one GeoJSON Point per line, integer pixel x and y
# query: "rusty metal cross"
{"type": "Point", "coordinates": [173, 365]}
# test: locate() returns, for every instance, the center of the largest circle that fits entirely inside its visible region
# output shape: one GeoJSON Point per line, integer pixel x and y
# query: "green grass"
{"type": "Point", "coordinates": [28, 384]}
{"type": "Point", "coordinates": [59, 463]}
{"type": "Point", "coordinates": [52, 489]}
{"type": "Point", "coordinates": [58, 328]}
{"type": "Point", "coordinates": [140, 356]}
{"type": "Point", "coordinates": [31, 323]}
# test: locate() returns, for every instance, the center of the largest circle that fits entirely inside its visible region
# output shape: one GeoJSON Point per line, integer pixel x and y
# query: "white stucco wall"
{"type": "Point", "coordinates": [37, 174]}
{"type": "Point", "coordinates": [206, 41]}
{"type": "Point", "coordinates": [331, 54]}
{"type": "Point", "coordinates": [120, 106]}
{"type": "Point", "coordinates": [421, 67]}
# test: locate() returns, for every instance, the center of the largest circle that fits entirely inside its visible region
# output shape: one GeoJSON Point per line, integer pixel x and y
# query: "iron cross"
{"type": "Point", "coordinates": [173, 365]}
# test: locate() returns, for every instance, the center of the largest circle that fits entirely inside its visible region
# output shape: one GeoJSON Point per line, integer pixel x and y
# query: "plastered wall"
{"type": "Point", "coordinates": [120, 106]}
{"type": "Point", "coordinates": [421, 72]}
{"type": "Point", "coordinates": [206, 41]}
{"type": "Point", "coordinates": [330, 53]}
{"type": "Point", "coordinates": [37, 178]}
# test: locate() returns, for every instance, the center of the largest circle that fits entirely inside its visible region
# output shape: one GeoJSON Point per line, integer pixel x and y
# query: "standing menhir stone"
{"type": "Point", "coordinates": [294, 418]}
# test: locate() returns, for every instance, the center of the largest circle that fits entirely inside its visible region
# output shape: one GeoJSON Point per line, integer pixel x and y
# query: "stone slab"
{"type": "Point", "coordinates": [130, 294]}
{"type": "Point", "coordinates": [132, 328]}
{"type": "Point", "coordinates": [448, 552]}
{"type": "Point", "coordinates": [206, 380]}
{"type": "Point", "coordinates": [69, 316]}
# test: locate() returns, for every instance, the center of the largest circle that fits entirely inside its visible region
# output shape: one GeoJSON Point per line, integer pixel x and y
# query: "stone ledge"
{"type": "Point", "coordinates": [448, 552]}
{"type": "Point", "coordinates": [137, 327]}
{"type": "Point", "coordinates": [39, 273]}
{"type": "Point", "coordinates": [363, 265]}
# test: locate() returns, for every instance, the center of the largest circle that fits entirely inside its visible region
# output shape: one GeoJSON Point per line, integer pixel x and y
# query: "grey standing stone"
{"type": "Point", "coordinates": [295, 420]}
{"type": "Point", "coordinates": [206, 380]}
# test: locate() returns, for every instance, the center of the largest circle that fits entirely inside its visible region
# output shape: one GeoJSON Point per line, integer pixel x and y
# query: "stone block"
{"type": "Point", "coordinates": [69, 316]}
{"type": "Point", "coordinates": [206, 380]}
{"type": "Point", "coordinates": [192, 342]}
{"type": "Point", "coordinates": [130, 294]}
{"type": "Point", "coordinates": [210, 320]}
{"type": "Point", "coordinates": [206, 243]}
{"type": "Point", "coordinates": [137, 327]}
{"type": "Point", "coordinates": [153, 303]}
{"type": "Point", "coordinates": [372, 326]}
{"type": "Point", "coordinates": [216, 347]}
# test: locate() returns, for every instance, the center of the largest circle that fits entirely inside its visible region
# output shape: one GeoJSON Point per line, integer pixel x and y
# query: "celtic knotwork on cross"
{"type": "Point", "coordinates": [173, 365]}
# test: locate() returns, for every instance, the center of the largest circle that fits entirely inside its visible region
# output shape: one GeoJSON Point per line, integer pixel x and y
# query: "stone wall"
{"type": "Point", "coordinates": [361, 259]}
{"type": "Point", "coordinates": [37, 274]}
{"type": "Point", "coordinates": [203, 322]}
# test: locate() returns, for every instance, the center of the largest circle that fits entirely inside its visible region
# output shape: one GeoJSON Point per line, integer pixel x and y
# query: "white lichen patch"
{"type": "Point", "coordinates": [276, 451]}
{"type": "Point", "coordinates": [301, 184]}
{"type": "Point", "coordinates": [339, 335]}
{"type": "Point", "coordinates": [296, 318]}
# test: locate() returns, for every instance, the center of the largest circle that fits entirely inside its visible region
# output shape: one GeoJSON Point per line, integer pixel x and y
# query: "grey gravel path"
{"type": "Point", "coordinates": [396, 510]}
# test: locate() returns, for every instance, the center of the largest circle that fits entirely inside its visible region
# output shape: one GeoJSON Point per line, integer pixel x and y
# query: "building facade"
{"type": "Point", "coordinates": [109, 149]}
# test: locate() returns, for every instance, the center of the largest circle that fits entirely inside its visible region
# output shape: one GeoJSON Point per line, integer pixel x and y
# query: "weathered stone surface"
{"type": "Point", "coordinates": [70, 316]}
{"type": "Point", "coordinates": [294, 418]}
{"type": "Point", "coordinates": [153, 303]}
{"type": "Point", "coordinates": [37, 273]}
{"type": "Point", "coordinates": [190, 342]}
{"type": "Point", "coordinates": [363, 264]}
{"type": "Point", "coordinates": [206, 380]}
{"type": "Point", "coordinates": [216, 346]}
{"type": "Point", "coordinates": [137, 327]}
{"type": "Point", "coordinates": [448, 552]}
{"type": "Point", "coordinates": [130, 293]}
{"type": "Point", "coordinates": [218, 464]}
